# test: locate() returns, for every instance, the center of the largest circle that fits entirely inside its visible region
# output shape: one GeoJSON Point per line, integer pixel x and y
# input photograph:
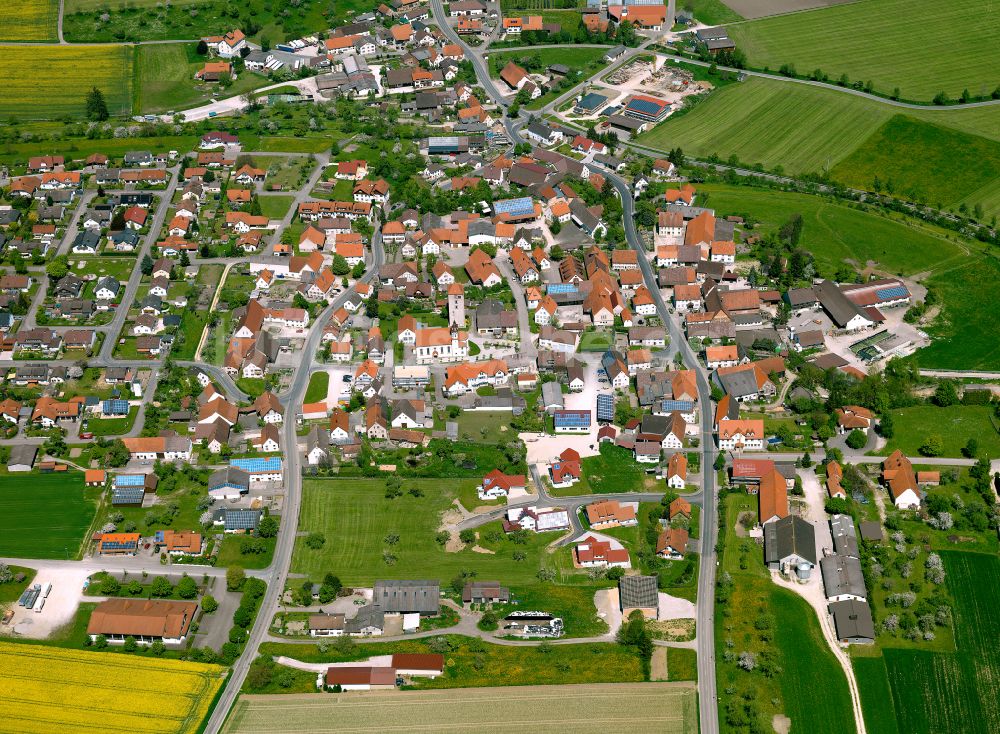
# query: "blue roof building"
{"type": "Point", "coordinates": [606, 408]}
{"type": "Point", "coordinates": [572, 421]}
{"type": "Point", "coordinates": [128, 496]}
{"type": "Point", "coordinates": [237, 521]}
{"type": "Point", "coordinates": [649, 109]}
{"type": "Point", "coordinates": [517, 208]}
{"type": "Point", "coordinates": [114, 407]}
{"type": "Point", "coordinates": [591, 103]}
{"type": "Point", "coordinates": [269, 465]}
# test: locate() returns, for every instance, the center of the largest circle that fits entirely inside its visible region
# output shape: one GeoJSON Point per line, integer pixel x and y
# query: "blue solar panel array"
{"type": "Point", "coordinates": [891, 294]}
{"type": "Point", "coordinates": [646, 107]}
{"type": "Point", "coordinates": [682, 406]}
{"type": "Point", "coordinates": [127, 495]}
{"type": "Point", "coordinates": [572, 419]}
{"type": "Point", "coordinates": [241, 519]}
{"type": "Point", "coordinates": [130, 480]}
{"type": "Point", "coordinates": [118, 545]}
{"type": "Point", "coordinates": [605, 407]}
{"type": "Point", "coordinates": [562, 288]}
{"type": "Point", "coordinates": [520, 207]}
{"type": "Point", "coordinates": [257, 466]}
{"type": "Point", "coordinates": [115, 407]}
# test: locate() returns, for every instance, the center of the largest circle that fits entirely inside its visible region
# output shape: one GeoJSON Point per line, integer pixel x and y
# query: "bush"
{"type": "Point", "coordinates": [237, 635]}
{"type": "Point", "coordinates": [208, 604]}
{"type": "Point", "coordinates": [235, 578]}
{"type": "Point", "coordinates": [315, 541]}
{"type": "Point", "coordinates": [856, 439]}
{"type": "Point", "coordinates": [187, 588]}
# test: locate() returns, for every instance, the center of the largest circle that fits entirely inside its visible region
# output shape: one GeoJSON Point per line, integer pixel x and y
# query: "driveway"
{"type": "Point", "coordinates": [609, 609]}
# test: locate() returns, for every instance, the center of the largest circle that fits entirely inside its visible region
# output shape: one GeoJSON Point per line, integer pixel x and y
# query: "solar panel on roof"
{"type": "Point", "coordinates": [256, 466]}
{"type": "Point", "coordinates": [115, 406]}
{"type": "Point", "coordinates": [888, 294]}
{"type": "Point", "coordinates": [130, 480]}
{"type": "Point", "coordinates": [562, 288]}
{"type": "Point", "coordinates": [127, 495]}
{"type": "Point", "coordinates": [644, 105]}
{"type": "Point", "coordinates": [515, 207]}
{"type": "Point", "coordinates": [241, 519]}
{"type": "Point", "coordinates": [605, 407]}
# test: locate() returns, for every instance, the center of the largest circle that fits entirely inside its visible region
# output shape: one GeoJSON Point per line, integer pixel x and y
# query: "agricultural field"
{"type": "Point", "coordinates": [185, 20]}
{"type": "Point", "coordinates": [964, 165]}
{"type": "Point", "coordinates": [955, 424]}
{"type": "Point", "coordinates": [810, 688]}
{"type": "Point", "coordinates": [835, 233]}
{"type": "Point", "coordinates": [60, 79]}
{"type": "Point", "coordinates": [945, 692]}
{"type": "Point", "coordinates": [885, 41]}
{"type": "Point", "coordinates": [44, 515]}
{"type": "Point", "coordinates": [663, 708]}
{"type": "Point", "coordinates": [56, 690]}
{"type": "Point", "coordinates": [30, 20]}
{"type": "Point", "coordinates": [355, 518]}
{"type": "Point", "coordinates": [799, 129]}
{"type": "Point", "coordinates": [963, 339]}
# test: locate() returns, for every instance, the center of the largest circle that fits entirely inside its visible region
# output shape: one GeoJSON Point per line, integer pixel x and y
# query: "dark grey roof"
{"type": "Point", "coordinates": [871, 530]}
{"type": "Point", "coordinates": [22, 454]}
{"type": "Point", "coordinates": [801, 297]}
{"type": "Point", "coordinates": [739, 384]}
{"type": "Point", "coordinates": [789, 536]}
{"type": "Point", "coordinates": [853, 620]}
{"type": "Point", "coordinates": [407, 596]}
{"type": "Point", "coordinates": [835, 303]}
{"type": "Point", "coordinates": [229, 476]}
{"type": "Point", "coordinates": [842, 575]}
{"type": "Point", "coordinates": [367, 616]}
{"type": "Point", "coordinates": [638, 591]}
{"type": "Point", "coordinates": [845, 537]}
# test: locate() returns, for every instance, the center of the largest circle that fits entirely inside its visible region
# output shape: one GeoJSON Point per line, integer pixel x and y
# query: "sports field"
{"type": "Point", "coordinates": [807, 129]}
{"type": "Point", "coordinates": [29, 20]}
{"type": "Point", "coordinates": [921, 46]}
{"type": "Point", "coordinates": [663, 708]}
{"type": "Point", "coordinates": [44, 516]}
{"type": "Point", "coordinates": [356, 519]}
{"type": "Point", "coordinates": [835, 233]}
{"type": "Point", "coordinates": [60, 78]}
{"type": "Point", "coordinates": [947, 692]}
{"type": "Point", "coordinates": [51, 690]}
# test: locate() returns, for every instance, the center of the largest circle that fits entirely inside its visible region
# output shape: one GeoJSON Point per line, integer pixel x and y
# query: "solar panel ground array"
{"type": "Point", "coordinates": [663, 708]}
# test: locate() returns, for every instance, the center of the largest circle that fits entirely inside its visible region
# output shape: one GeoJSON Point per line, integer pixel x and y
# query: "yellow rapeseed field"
{"type": "Point", "coordinates": [52, 690]}
{"type": "Point", "coordinates": [47, 83]}
{"type": "Point", "coordinates": [29, 20]}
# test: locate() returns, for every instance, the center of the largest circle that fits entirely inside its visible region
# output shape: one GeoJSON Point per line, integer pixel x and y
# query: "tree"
{"type": "Point", "coordinates": [110, 586]}
{"type": "Point", "coordinates": [118, 454]}
{"type": "Point", "coordinates": [58, 267]}
{"type": "Point", "coordinates": [971, 449]}
{"type": "Point", "coordinates": [267, 527]}
{"type": "Point", "coordinates": [134, 587]}
{"type": "Point", "coordinates": [886, 427]}
{"type": "Point", "coordinates": [945, 394]}
{"type": "Point", "coordinates": [467, 536]}
{"type": "Point", "coordinates": [720, 462]}
{"type": "Point", "coordinates": [208, 603]}
{"type": "Point", "coordinates": [146, 266]}
{"type": "Point", "coordinates": [315, 541]}
{"type": "Point", "coordinates": [339, 265]}
{"type": "Point", "coordinates": [187, 588]}
{"type": "Point", "coordinates": [235, 577]}
{"type": "Point", "coordinates": [6, 575]}
{"type": "Point", "coordinates": [161, 587]}
{"type": "Point", "coordinates": [933, 446]}
{"type": "Point", "coordinates": [97, 106]}
{"type": "Point", "coordinates": [202, 48]}
{"type": "Point", "coordinates": [856, 439]}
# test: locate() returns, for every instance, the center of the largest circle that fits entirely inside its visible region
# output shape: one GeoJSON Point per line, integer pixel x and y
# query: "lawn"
{"type": "Point", "coordinates": [473, 663]}
{"type": "Point", "coordinates": [613, 470]}
{"type": "Point", "coordinates": [319, 386]}
{"type": "Point", "coordinates": [835, 233]}
{"type": "Point", "coordinates": [955, 425]}
{"type": "Point", "coordinates": [230, 555]}
{"type": "Point", "coordinates": [595, 341]}
{"type": "Point", "coordinates": [806, 129]}
{"type": "Point", "coordinates": [44, 515]}
{"type": "Point", "coordinates": [355, 518]}
{"type": "Point", "coordinates": [711, 12]}
{"type": "Point", "coordinates": [113, 426]}
{"type": "Point", "coordinates": [275, 207]}
{"type": "Point", "coordinates": [888, 42]}
{"type": "Point", "coordinates": [12, 590]}
{"type": "Point", "coordinates": [661, 708]}
{"type": "Point", "coordinates": [30, 20]}
{"type": "Point", "coordinates": [574, 604]}
{"type": "Point", "coordinates": [903, 150]}
{"type": "Point", "coordinates": [488, 426]}
{"type": "Point", "coordinates": [948, 692]}
{"type": "Point", "coordinates": [60, 79]}
{"type": "Point", "coordinates": [53, 689]}
{"type": "Point", "coordinates": [164, 79]}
